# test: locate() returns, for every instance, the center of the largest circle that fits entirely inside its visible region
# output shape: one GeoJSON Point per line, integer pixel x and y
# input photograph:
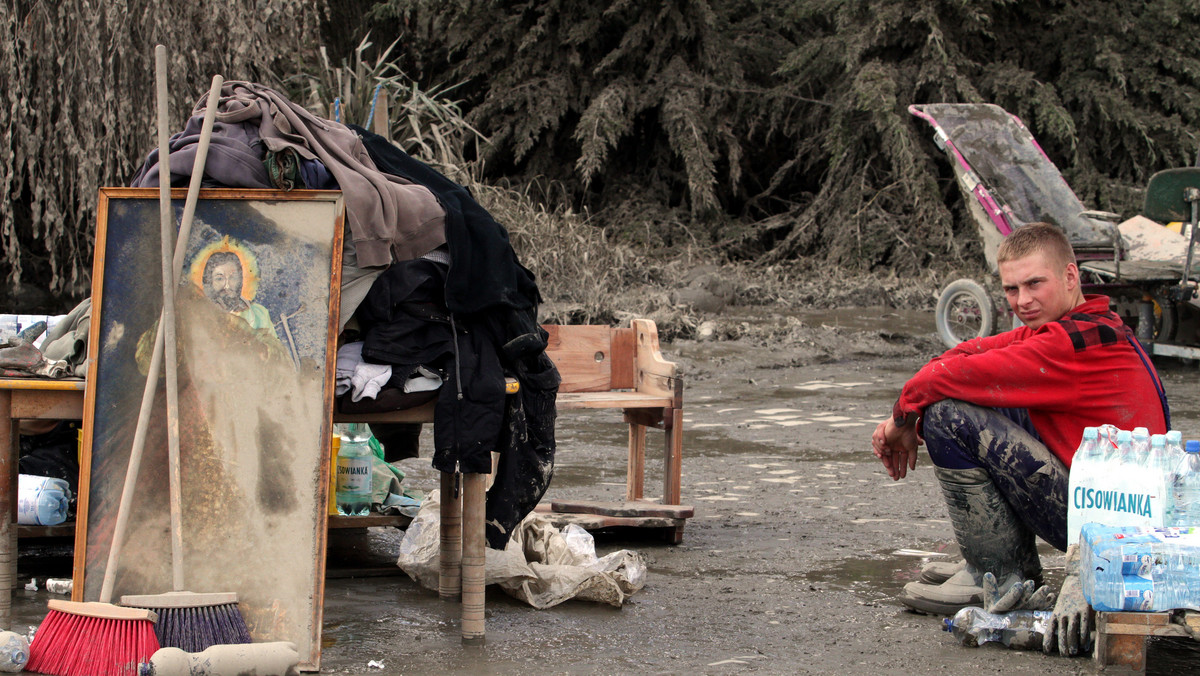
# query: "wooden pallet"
{"type": "Point", "coordinates": [597, 515]}
{"type": "Point", "coordinates": [1121, 637]}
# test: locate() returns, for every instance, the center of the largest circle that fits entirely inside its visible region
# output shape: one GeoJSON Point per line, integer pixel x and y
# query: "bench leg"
{"type": "Point", "coordinates": [635, 472]}
{"type": "Point", "coordinates": [474, 558]}
{"type": "Point", "coordinates": [450, 552]}
{"type": "Point", "coordinates": [673, 460]}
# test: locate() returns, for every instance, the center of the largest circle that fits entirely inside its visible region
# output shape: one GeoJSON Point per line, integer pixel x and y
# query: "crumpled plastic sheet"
{"type": "Point", "coordinates": [541, 565]}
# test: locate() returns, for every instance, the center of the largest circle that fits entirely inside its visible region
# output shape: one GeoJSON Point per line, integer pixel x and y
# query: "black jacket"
{"type": "Point", "coordinates": [476, 322]}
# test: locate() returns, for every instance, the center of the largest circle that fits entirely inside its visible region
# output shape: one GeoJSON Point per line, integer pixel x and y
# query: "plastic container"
{"type": "Point", "coordinates": [1185, 487]}
{"type": "Point", "coordinates": [14, 652]}
{"type": "Point", "coordinates": [354, 470]}
{"type": "Point", "coordinates": [335, 445]}
{"type": "Point", "coordinates": [1019, 630]}
{"type": "Point", "coordinates": [42, 501]}
{"type": "Point", "coordinates": [1083, 466]}
{"type": "Point", "coordinates": [1140, 569]}
{"type": "Point", "coordinates": [277, 658]}
{"type": "Point", "coordinates": [1117, 489]}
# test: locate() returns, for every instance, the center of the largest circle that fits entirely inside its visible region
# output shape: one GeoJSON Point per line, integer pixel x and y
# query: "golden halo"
{"type": "Point", "coordinates": [249, 265]}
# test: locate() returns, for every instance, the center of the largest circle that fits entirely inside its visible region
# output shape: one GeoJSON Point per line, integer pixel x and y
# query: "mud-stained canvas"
{"type": "Point", "coordinates": [256, 317]}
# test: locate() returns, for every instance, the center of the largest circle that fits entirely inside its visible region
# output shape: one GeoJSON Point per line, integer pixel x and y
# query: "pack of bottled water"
{"type": "Point", "coordinates": [1133, 478]}
{"type": "Point", "coordinates": [1138, 568]}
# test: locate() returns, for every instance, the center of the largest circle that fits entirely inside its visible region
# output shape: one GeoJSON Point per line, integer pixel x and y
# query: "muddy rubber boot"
{"type": "Point", "coordinates": [990, 536]}
{"type": "Point", "coordinates": [937, 572]}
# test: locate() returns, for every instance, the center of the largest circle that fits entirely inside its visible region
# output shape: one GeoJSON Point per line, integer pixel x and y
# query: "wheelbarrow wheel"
{"type": "Point", "coordinates": [964, 311]}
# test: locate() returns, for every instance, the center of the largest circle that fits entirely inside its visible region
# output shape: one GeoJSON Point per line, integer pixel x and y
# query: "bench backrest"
{"type": "Point", "coordinates": [602, 358]}
{"type": "Point", "coordinates": [592, 358]}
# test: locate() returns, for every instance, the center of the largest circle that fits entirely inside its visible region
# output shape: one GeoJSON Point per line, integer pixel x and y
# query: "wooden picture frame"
{"type": "Point", "coordinates": [256, 320]}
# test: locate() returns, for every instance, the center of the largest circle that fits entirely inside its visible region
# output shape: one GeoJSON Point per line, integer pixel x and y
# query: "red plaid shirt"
{"type": "Point", "coordinates": [1076, 372]}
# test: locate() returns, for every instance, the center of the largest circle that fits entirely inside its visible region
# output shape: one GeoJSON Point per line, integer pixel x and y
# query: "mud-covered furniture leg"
{"type": "Point", "coordinates": [473, 558]}
{"type": "Point", "coordinates": [450, 533]}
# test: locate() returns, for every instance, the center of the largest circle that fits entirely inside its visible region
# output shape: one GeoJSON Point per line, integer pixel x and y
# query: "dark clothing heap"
{"type": "Point", "coordinates": [474, 321]}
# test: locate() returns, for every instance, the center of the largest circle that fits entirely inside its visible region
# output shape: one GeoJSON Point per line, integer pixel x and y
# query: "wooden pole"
{"type": "Point", "coordinates": [450, 553]}
{"type": "Point", "coordinates": [474, 559]}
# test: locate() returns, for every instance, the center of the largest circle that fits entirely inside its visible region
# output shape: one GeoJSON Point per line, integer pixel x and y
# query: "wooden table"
{"type": "Point", "coordinates": [25, 399]}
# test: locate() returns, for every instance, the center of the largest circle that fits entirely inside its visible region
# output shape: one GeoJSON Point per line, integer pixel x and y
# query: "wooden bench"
{"type": "Point", "coordinates": [601, 368]}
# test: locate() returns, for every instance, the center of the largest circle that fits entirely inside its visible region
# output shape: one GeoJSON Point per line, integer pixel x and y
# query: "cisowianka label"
{"type": "Point", "coordinates": [1139, 504]}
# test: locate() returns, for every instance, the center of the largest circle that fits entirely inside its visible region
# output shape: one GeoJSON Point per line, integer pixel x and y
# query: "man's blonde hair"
{"type": "Point", "coordinates": [1033, 237]}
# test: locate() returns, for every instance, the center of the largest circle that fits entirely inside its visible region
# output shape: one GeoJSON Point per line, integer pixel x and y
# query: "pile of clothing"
{"type": "Point", "coordinates": [434, 302]}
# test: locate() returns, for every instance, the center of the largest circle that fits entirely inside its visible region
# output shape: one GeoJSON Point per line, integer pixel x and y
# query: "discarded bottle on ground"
{"type": "Point", "coordinates": [1019, 630]}
{"type": "Point", "coordinates": [354, 470]}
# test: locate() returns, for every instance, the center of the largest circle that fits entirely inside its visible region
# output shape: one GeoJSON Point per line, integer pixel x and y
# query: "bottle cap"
{"type": "Point", "coordinates": [1193, 446]}
{"type": "Point", "coordinates": [1175, 436]}
{"type": "Point", "coordinates": [1158, 440]}
{"type": "Point", "coordinates": [1141, 432]}
{"type": "Point", "coordinates": [1124, 436]}
{"type": "Point", "coordinates": [1091, 433]}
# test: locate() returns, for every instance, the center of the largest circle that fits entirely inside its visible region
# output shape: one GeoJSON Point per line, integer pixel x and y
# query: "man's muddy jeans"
{"type": "Point", "coordinates": [959, 435]}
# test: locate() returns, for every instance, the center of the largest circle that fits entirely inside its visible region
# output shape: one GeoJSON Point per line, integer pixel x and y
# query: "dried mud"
{"type": "Point", "coordinates": [793, 559]}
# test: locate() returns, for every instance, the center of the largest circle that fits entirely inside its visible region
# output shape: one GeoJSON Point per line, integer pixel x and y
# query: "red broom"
{"type": "Point", "coordinates": [117, 640]}
{"type": "Point", "coordinates": [102, 639]}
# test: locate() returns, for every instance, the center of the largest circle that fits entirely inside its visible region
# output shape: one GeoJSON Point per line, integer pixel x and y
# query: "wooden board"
{"type": "Point", "coordinates": [630, 509]}
{"type": "Point", "coordinates": [256, 375]}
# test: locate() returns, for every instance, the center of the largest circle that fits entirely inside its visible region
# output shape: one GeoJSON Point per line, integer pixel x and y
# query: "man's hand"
{"type": "Point", "coordinates": [896, 447]}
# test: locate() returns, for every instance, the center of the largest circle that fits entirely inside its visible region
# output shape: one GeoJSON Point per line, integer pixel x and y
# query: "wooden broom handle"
{"type": "Point", "coordinates": [139, 435]}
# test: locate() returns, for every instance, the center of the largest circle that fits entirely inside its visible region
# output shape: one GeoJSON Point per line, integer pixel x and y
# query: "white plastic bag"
{"type": "Point", "coordinates": [541, 565]}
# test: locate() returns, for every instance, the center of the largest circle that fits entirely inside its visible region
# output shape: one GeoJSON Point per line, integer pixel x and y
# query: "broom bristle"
{"type": "Point", "coordinates": [194, 622]}
{"type": "Point", "coordinates": [91, 639]}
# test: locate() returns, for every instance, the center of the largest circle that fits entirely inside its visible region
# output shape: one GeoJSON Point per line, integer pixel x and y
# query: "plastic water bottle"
{"type": "Point", "coordinates": [1084, 465]}
{"type": "Point", "coordinates": [354, 470]}
{"type": "Point", "coordinates": [1019, 630]}
{"type": "Point", "coordinates": [1186, 487]}
{"type": "Point", "coordinates": [1157, 471]}
{"type": "Point", "coordinates": [1140, 448]}
{"type": "Point", "coordinates": [14, 651]}
{"type": "Point", "coordinates": [42, 501]}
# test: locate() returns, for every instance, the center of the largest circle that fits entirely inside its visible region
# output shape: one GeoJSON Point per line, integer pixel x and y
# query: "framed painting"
{"type": "Point", "coordinates": [256, 323]}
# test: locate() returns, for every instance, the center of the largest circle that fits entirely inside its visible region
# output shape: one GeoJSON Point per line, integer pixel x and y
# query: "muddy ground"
{"type": "Point", "coordinates": [791, 564]}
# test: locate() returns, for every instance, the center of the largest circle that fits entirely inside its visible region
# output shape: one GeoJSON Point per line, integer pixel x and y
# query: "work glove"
{"type": "Point", "coordinates": [1071, 624]}
{"type": "Point", "coordinates": [1022, 595]}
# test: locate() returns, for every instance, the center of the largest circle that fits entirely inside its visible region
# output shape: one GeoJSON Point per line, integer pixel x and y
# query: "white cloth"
{"type": "Point", "coordinates": [422, 380]}
{"type": "Point", "coordinates": [356, 376]}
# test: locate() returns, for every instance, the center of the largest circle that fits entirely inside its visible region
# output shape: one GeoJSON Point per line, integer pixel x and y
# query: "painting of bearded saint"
{"type": "Point", "coordinates": [255, 321]}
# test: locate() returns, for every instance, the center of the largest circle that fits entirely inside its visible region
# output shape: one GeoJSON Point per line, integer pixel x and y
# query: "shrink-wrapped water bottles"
{"type": "Point", "coordinates": [1141, 569]}
{"type": "Point", "coordinates": [1117, 489]}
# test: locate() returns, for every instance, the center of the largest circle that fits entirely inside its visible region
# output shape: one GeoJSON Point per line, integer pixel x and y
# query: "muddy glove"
{"type": "Point", "coordinates": [1023, 595]}
{"type": "Point", "coordinates": [1070, 625]}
